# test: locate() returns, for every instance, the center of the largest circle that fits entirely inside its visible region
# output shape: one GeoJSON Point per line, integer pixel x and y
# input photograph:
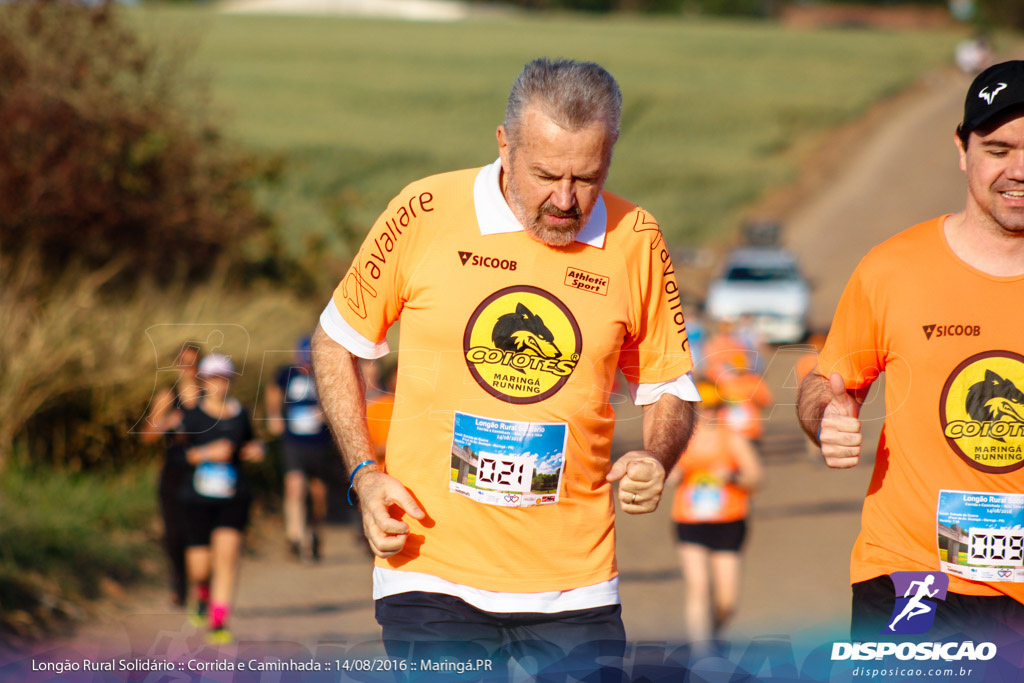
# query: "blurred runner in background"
{"type": "Point", "coordinates": [216, 494]}
{"type": "Point", "coordinates": [753, 341]}
{"type": "Point", "coordinates": [725, 347]}
{"type": "Point", "coordinates": [744, 396]}
{"type": "Point", "coordinates": [715, 477]}
{"type": "Point", "coordinates": [164, 421]}
{"type": "Point", "coordinates": [294, 414]}
{"type": "Point", "coordinates": [379, 408]}
{"type": "Point", "coordinates": [697, 336]}
{"type": "Point", "coordinates": [973, 55]}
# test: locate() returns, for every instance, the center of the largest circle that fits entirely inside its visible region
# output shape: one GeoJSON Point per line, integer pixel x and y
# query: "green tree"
{"type": "Point", "coordinates": [1001, 13]}
{"type": "Point", "coordinates": [119, 200]}
{"type": "Point", "coordinates": [108, 153]}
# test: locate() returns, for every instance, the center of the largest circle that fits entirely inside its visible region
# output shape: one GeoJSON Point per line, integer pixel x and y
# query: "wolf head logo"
{"type": "Point", "coordinates": [995, 398]}
{"type": "Point", "coordinates": [524, 332]}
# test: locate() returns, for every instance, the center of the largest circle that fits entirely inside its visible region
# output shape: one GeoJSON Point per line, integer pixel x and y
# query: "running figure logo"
{"type": "Point", "coordinates": [916, 596]}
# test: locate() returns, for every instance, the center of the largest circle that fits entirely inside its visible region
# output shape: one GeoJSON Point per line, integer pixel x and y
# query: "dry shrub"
{"type": "Point", "coordinates": [1000, 14]}
{"type": "Point", "coordinates": [109, 151]}
{"type": "Point", "coordinates": [124, 214]}
{"type": "Point", "coordinates": [80, 364]}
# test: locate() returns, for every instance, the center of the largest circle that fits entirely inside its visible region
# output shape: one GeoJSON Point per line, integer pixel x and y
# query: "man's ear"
{"type": "Point", "coordinates": [962, 150]}
{"type": "Point", "coordinates": [504, 149]}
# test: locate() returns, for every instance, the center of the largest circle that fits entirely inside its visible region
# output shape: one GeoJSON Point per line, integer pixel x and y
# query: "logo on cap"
{"type": "Point", "coordinates": [989, 96]}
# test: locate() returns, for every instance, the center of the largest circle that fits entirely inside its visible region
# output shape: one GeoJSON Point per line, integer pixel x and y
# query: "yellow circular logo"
{"type": "Point", "coordinates": [982, 411]}
{"type": "Point", "coordinates": [521, 344]}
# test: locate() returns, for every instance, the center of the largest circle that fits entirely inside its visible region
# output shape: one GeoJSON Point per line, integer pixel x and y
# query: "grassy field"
{"type": "Point", "coordinates": [715, 113]}
{"type": "Point", "coordinates": [65, 537]}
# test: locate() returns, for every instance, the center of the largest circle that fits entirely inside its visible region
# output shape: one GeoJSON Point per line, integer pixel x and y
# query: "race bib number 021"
{"type": "Point", "coordinates": [506, 462]}
{"type": "Point", "coordinates": [980, 535]}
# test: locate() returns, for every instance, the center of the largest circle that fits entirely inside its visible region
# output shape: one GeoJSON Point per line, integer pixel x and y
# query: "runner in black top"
{"type": "Point", "coordinates": [163, 421]}
{"type": "Point", "coordinates": [216, 494]}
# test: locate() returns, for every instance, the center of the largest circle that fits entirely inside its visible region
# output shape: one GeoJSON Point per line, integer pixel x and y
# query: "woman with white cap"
{"type": "Point", "coordinates": [216, 495]}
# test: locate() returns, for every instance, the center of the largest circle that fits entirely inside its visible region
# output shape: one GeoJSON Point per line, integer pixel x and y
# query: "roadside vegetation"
{"type": "Point", "coordinates": [168, 174]}
{"type": "Point", "coordinates": [69, 538]}
{"type": "Point", "coordinates": [128, 225]}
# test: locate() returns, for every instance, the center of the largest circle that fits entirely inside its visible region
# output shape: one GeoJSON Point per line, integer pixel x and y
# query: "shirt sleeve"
{"type": "Point", "coordinates": [338, 329]}
{"type": "Point", "coordinates": [371, 295]}
{"type": "Point", "coordinates": [682, 387]}
{"type": "Point", "coordinates": [657, 349]}
{"type": "Point", "coordinates": [854, 346]}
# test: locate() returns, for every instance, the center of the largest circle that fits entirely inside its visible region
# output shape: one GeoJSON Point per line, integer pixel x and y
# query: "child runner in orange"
{"type": "Point", "coordinates": [715, 476]}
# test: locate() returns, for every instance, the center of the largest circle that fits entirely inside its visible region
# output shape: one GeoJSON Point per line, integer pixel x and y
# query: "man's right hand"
{"type": "Point", "coordinates": [377, 492]}
{"type": "Point", "coordinates": [840, 435]}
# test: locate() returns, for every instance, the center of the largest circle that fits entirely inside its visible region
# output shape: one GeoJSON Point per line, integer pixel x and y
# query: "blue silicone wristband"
{"type": "Point", "coordinates": [351, 478]}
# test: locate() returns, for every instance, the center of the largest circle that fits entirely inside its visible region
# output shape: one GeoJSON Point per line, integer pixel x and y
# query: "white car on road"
{"type": "Point", "coordinates": [764, 283]}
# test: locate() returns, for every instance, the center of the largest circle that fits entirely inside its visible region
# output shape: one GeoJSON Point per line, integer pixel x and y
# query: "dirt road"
{"type": "Point", "coordinates": [902, 170]}
{"type": "Point", "coordinates": [905, 170]}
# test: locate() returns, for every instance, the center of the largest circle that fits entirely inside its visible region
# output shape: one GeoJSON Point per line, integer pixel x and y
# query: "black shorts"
{"type": "Point", "coordinates": [420, 624]}
{"type": "Point", "coordinates": [726, 536]}
{"type": "Point", "coordinates": [978, 617]}
{"type": "Point", "coordinates": [312, 459]}
{"type": "Point", "coordinates": [202, 517]}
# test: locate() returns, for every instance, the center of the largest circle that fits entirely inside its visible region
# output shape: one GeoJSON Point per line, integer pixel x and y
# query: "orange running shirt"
{"type": "Point", "coordinates": [947, 492]}
{"type": "Point", "coordinates": [706, 495]}
{"type": "Point", "coordinates": [502, 425]}
{"type": "Point", "coordinates": [804, 365]}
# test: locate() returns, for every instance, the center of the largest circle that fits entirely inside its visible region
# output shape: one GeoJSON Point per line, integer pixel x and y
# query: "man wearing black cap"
{"type": "Point", "coordinates": [937, 308]}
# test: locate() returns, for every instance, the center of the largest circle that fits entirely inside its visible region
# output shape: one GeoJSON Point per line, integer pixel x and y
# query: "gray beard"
{"type": "Point", "coordinates": [537, 229]}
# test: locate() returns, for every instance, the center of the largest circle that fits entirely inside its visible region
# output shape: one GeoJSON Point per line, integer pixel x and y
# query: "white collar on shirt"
{"type": "Point", "coordinates": [495, 216]}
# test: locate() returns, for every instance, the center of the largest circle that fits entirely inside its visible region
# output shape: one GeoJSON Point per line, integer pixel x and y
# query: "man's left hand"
{"type": "Point", "coordinates": [641, 478]}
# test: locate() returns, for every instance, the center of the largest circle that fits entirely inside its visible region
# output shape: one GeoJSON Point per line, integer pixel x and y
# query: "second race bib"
{"type": "Point", "coordinates": [980, 535]}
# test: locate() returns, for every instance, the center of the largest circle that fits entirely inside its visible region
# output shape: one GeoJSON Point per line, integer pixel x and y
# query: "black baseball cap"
{"type": "Point", "coordinates": [995, 91]}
